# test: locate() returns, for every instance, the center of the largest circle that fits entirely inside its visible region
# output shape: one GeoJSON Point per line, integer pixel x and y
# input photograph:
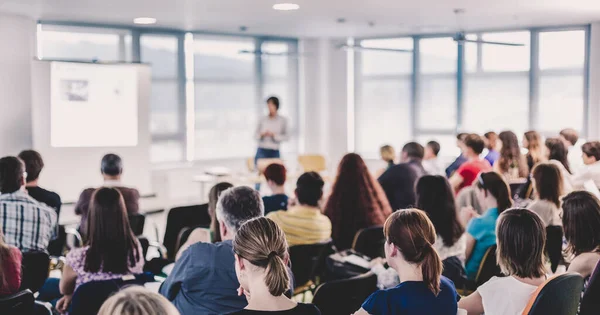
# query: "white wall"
{"type": "Point", "coordinates": [594, 102]}
{"type": "Point", "coordinates": [17, 35]}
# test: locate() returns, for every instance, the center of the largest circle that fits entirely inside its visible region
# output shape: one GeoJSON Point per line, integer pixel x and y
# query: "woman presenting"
{"type": "Point", "coordinates": [270, 132]}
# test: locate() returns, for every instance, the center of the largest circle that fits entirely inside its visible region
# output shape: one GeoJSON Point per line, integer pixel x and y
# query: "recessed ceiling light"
{"type": "Point", "coordinates": [144, 20]}
{"type": "Point", "coordinates": [286, 6]}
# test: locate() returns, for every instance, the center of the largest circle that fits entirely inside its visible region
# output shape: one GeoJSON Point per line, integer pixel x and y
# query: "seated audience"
{"type": "Point", "coordinates": [491, 143]}
{"type": "Point", "coordinates": [408, 250]}
{"type": "Point", "coordinates": [511, 164]}
{"type": "Point", "coordinates": [261, 257]}
{"type": "Point", "coordinates": [357, 201]}
{"type": "Point", "coordinates": [398, 182]}
{"type": "Point", "coordinates": [388, 155]}
{"type": "Point", "coordinates": [520, 254]}
{"type": "Point", "coordinates": [591, 170]}
{"type": "Point", "coordinates": [112, 169]}
{"type": "Point", "coordinates": [532, 141]}
{"type": "Point", "coordinates": [460, 143]}
{"type": "Point", "coordinates": [431, 162]}
{"type": "Point", "coordinates": [570, 137]}
{"type": "Point", "coordinates": [27, 224]}
{"type": "Point", "coordinates": [10, 268]}
{"type": "Point", "coordinates": [137, 300]}
{"type": "Point", "coordinates": [110, 252]}
{"type": "Point", "coordinates": [203, 280]}
{"type": "Point", "coordinates": [494, 195]}
{"type": "Point", "coordinates": [33, 166]}
{"type": "Point", "coordinates": [435, 197]}
{"type": "Point", "coordinates": [581, 223]}
{"type": "Point", "coordinates": [547, 182]}
{"type": "Point", "coordinates": [214, 234]}
{"type": "Point", "coordinates": [468, 171]}
{"type": "Point", "coordinates": [304, 223]}
{"type": "Point", "coordinates": [275, 175]}
{"type": "Point", "coordinates": [556, 153]}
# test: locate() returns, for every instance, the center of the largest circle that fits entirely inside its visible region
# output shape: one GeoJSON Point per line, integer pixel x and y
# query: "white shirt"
{"type": "Point", "coordinates": [575, 159]}
{"type": "Point", "coordinates": [278, 126]}
{"type": "Point", "coordinates": [586, 173]}
{"type": "Point", "coordinates": [434, 167]}
{"type": "Point", "coordinates": [458, 249]}
{"type": "Point", "coordinates": [567, 186]}
{"type": "Point", "coordinates": [547, 210]}
{"type": "Point", "coordinates": [505, 296]}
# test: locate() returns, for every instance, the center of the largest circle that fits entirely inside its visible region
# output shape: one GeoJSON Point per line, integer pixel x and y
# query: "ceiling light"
{"type": "Point", "coordinates": [144, 20]}
{"type": "Point", "coordinates": [286, 6]}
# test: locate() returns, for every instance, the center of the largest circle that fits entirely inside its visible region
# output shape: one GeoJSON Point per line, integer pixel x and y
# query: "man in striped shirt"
{"type": "Point", "coordinates": [24, 222]}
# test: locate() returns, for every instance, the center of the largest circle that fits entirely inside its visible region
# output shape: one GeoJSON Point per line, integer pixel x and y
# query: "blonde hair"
{"type": "Point", "coordinates": [387, 153]}
{"type": "Point", "coordinates": [137, 300]}
{"type": "Point", "coordinates": [261, 242]}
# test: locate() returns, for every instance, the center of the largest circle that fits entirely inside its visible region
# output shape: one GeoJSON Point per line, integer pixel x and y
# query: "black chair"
{"type": "Point", "coordinates": [89, 297]}
{"type": "Point", "coordinates": [488, 268]}
{"type": "Point", "coordinates": [344, 296]}
{"type": "Point", "coordinates": [20, 303]}
{"type": "Point", "coordinates": [369, 242]}
{"type": "Point", "coordinates": [181, 217]}
{"type": "Point", "coordinates": [554, 243]}
{"type": "Point", "coordinates": [590, 302]}
{"type": "Point", "coordinates": [559, 295]}
{"type": "Point", "coordinates": [35, 267]}
{"type": "Point", "coordinates": [182, 237]}
{"type": "Point", "coordinates": [137, 222]}
{"type": "Point", "coordinates": [308, 264]}
{"type": "Point", "coordinates": [455, 271]}
{"type": "Point", "coordinates": [56, 246]}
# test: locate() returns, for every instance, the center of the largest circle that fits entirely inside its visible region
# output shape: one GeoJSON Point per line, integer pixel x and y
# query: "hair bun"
{"type": "Point", "coordinates": [272, 254]}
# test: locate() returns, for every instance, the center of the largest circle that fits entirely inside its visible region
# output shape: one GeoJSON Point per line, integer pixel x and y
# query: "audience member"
{"type": "Point", "coordinates": [494, 196]}
{"type": "Point", "coordinates": [468, 171]}
{"type": "Point", "coordinates": [213, 235]}
{"type": "Point", "coordinates": [304, 223]}
{"type": "Point", "coordinates": [521, 240]}
{"type": "Point", "coordinates": [591, 170]}
{"type": "Point", "coordinates": [112, 169]}
{"type": "Point", "coordinates": [136, 300]}
{"type": "Point", "coordinates": [511, 164]}
{"type": "Point", "coordinates": [275, 175]}
{"type": "Point", "coordinates": [581, 223]}
{"type": "Point", "coordinates": [203, 280]}
{"type": "Point", "coordinates": [547, 181]}
{"type": "Point", "coordinates": [556, 153]}
{"type": "Point", "coordinates": [10, 268]}
{"type": "Point", "coordinates": [570, 137]}
{"type": "Point", "coordinates": [26, 223]}
{"type": "Point", "coordinates": [357, 201]}
{"type": "Point", "coordinates": [460, 143]}
{"type": "Point", "coordinates": [431, 162]}
{"type": "Point", "coordinates": [110, 252]}
{"type": "Point", "coordinates": [261, 257]}
{"type": "Point", "coordinates": [408, 249]}
{"type": "Point", "coordinates": [491, 143]}
{"type": "Point", "coordinates": [435, 197]}
{"type": "Point", "coordinates": [33, 166]}
{"type": "Point", "coordinates": [532, 141]}
{"type": "Point", "coordinates": [388, 155]}
{"type": "Point", "coordinates": [399, 181]}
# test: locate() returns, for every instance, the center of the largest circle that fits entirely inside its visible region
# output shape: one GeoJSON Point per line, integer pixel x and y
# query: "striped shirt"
{"type": "Point", "coordinates": [26, 223]}
{"type": "Point", "coordinates": [303, 225]}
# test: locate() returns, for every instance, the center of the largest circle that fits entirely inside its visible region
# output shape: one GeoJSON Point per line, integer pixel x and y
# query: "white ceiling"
{"type": "Point", "coordinates": [316, 18]}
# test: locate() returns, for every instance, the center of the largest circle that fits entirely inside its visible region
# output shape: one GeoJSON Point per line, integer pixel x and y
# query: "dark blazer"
{"type": "Point", "coordinates": [130, 195]}
{"type": "Point", "coordinates": [399, 182]}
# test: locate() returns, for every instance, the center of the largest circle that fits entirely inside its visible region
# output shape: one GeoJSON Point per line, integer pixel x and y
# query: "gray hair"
{"type": "Point", "coordinates": [238, 205]}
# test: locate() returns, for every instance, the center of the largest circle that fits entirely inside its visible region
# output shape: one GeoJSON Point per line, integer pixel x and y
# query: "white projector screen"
{"type": "Point", "coordinates": [93, 105]}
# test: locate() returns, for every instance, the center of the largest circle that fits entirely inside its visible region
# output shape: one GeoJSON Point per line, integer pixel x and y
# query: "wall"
{"type": "Point", "coordinates": [594, 100]}
{"type": "Point", "coordinates": [17, 35]}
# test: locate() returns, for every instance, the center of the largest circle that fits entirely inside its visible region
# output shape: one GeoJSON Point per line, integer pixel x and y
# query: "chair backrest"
{"type": "Point", "coordinates": [369, 242]}
{"type": "Point", "coordinates": [489, 267]}
{"type": "Point", "coordinates": [18, 303]}
{"type": "Point", "coordinates": [89, 297]}
{"type": "Point", "coordinates": [554, 243]}
{"type": "Point", "coordinates": [35, 265]}
{"type": "Point", "coordinates": [182, 237]}
{"type": "Point", "coordinates": [558, 295]}
{"type": "Point", "coordinates": [181, 217]}
{"type": "Point", "coordinates": [137, 222]}
{"type": "Point", "coordinates": [455, 271]}
{"type": "Point", "coordinates": [590, 302]}
{"type": "Point", "coordinates": [308, 261]}
{"type": "Point", "coordinates": [312, 163]}
{"type": "Point", "coordinates": [345, 296]}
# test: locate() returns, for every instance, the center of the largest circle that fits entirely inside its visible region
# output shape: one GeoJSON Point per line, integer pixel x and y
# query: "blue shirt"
{"type": "Point", "coordinates": [414, 298]}
{"type": "Point", "coordinates": [492, 157]}
{"type": "Point", "coordinates": [203, 281]}
{"type": "Point", "coordinates": [460, 160]}
{"type": "Point", "coordinates": [275, 203]}
{"type": "Point", "coordinates": [483, 230]}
